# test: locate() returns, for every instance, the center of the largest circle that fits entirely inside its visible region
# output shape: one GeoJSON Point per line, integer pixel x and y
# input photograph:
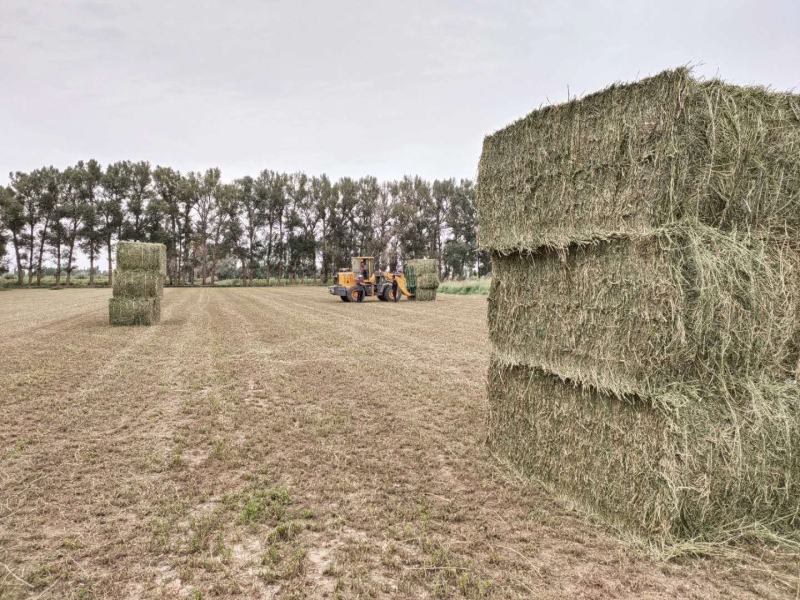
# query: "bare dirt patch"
{"type": "Point", "coordinates": [278, 443]}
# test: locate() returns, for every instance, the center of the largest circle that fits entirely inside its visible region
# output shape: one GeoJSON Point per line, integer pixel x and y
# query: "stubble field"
{"type": "Point", "coordinates": [276, 442]}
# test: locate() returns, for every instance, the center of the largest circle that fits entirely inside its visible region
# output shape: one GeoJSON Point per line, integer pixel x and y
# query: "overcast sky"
{"type": "Point", "coordinates": [342, 87]}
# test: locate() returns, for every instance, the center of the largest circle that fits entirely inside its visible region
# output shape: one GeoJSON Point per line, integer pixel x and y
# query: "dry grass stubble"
{"type": "Point", "coordinates": [278, 443]}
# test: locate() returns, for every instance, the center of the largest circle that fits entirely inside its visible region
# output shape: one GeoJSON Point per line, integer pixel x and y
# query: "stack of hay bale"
{"type": "Point", "coordinates": [644, 302]}
{"type": "Point", "coordinates": [138, 284]}
{"type": "Point", "coordinates": [426, 273]}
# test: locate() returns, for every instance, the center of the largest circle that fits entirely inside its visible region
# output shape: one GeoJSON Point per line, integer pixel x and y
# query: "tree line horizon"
{"type": "Point", "coordinates": [273, 225]}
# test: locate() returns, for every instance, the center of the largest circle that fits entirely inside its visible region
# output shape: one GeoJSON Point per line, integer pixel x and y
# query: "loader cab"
{"type": "Point", "coordinates": [364, 265]}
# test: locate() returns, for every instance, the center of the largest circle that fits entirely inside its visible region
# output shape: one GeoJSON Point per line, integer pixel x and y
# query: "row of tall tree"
{"type": "Point", "coordinates": [271, 225]}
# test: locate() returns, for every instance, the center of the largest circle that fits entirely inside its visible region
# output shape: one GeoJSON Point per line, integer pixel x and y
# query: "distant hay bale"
{"type": "Point", "coordinates": [633, 315]}
{"type": "Point", "coordinates": [134, 311]}
{"type": "Point", "coordinates": [678, 464]}
{"type": "Point", "coordinates": [425, 295]}
{"type": "Point", "coordinates": [635, 157]}
{"type": "Point", "coordinates": [142, 256]}
{"type": "Point", "coordinates": [137, 284]}
{"type": "Point", "coordinates": [423, 274]}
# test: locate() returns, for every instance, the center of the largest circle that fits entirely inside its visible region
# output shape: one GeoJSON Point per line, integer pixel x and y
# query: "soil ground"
{"type": "Point", "coordinates": [265, 443]}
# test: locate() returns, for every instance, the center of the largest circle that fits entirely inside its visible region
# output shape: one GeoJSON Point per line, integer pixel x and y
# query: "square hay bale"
{"type": "Point", "coordinates": [634, 315]}
{"type": "Point", "coordinates": [142, 256]}
{"type": "Point", "coordinates": [675, 465]}
{"type": "Point", "coordinates": [134, 311]}
{"type": "Point", "coordinates": [423, 266]}
{"type": "Point", "coordinates": [138, 284]}
{"type": "Point", "coordinates": [635, 157]}
{"type": "Point", "coordinates": [427, 281]}
{"type": "Point", "coordinates": [425, 294]}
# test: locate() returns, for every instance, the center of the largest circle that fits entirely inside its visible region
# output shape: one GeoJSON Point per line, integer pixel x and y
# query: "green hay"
{"type": "Point", "coordinates": [424, 266]}
{"type": "Point", "coordinates": [427, 281]}
{"type": "Point", "coordinates": [632, 316]}
{"type": "Point", "coordinates": [675, 465]}
{"type": "Point", "coordinates": [137, 284]}
{"type": "Point", "coordinates": [134, 311]}
{"type": "Point", "coordinates": [636, 157]}
{"type": "Point", "coordinates": [142, 256]}
{"type": "Point", "coordinates": [425, 295]}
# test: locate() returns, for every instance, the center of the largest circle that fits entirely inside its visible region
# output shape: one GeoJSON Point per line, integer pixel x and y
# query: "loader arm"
{"type": "Point", "coordinates": [401, 286]}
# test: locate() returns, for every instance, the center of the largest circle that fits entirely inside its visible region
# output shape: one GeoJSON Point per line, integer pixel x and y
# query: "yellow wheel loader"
{"type": "Point", "coordinates": [363, 281]}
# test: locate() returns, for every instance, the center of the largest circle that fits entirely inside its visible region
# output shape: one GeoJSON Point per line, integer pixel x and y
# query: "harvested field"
{"type": "Point", "coordinates": [231, 453]}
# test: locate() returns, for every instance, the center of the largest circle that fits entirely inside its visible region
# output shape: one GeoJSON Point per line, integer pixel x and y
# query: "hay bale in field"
{"type": "Point", "coordinates": [427, 281]}
{"type": "Point", "coordinates": [142, 256]}
{"type": "Point", "coordinates": [425, 295]}
{"type": "Point", "coordinates": [423, 266]}
{"type": "Point", "coordinates": [645, 300]}
{"type": "Point", "coordinates": [134, 311]}
{"type": "Point", "coordinates": [423, 276]}
{"type": "Point", "coordinates": [633, 316]}
{"type": "Point", "coordinates": [639, 156]}
{"type": "Point", "coordinates": [677, 464]}
{"type": "Point", "coordinates": [138, 284]}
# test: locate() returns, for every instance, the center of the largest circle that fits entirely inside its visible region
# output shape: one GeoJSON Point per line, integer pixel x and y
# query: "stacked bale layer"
{"type": "Point", "coordinates": [636, 157]}
{"type": "Point", "coordinates": [134, 311]}
{"type": "Point", "coordinates": [632, 316]}
{"type": "Point", "coordinates": [644, 301]}
{"type": "Point", "coordinates": [138, 284]}
{"type": "Point", "coordinates": [141, 256]}
{"type": "Point", "coordinates": [426, 274]}
{"type": "Point", "coordinates": [667, 464]}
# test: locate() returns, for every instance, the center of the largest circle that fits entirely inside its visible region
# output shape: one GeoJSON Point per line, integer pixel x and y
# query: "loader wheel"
{"type": "Point", "coordinates": [355, 295]}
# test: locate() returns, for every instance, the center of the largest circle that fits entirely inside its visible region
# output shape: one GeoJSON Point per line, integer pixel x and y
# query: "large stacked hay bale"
{"type": "Point", "coordinates": [138, 284]}
{"type": "Point", "coordinates": [644, 302]}
{"type": "Point", "coordinates": [425, 272]}
{"type": "Point", "coordinates": [141, 256]}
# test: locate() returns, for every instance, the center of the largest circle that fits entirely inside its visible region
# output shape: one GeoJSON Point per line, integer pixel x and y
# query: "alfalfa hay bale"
{"type": "Point", "coordinates": [425, 295]}
{"type": "Point", "coordinates": [134, 311]}
{"type": "Point", "coordinates": [427, 281]}
{"type": "Point", "coordinates": [673, 465]}
{"type": "Point", "coordinates": [137, 284]}
{"type": "Point", "coordinates": [425, 274]}
{"type": "Point", "coordinates": [142, 256]}
{"type": "Point", "coordinates": [635, 157]}
{"type": "Point", "coordinates": [634, 315]}
{"type": "Point", "coordinates": [424, 266]}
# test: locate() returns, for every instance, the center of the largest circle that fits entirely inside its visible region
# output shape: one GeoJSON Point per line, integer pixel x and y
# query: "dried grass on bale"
{"type": "Point", "coordinates": [635, 315]}
{"type": "Point", "coordinates": [640, 156]}
{"type": "Point", "coordinates": [425, 295]}
{"type": "Point", "coordinates": [142, 256]}
{"type": "Point", "coordinates": [134, 311]}
{"type": "Point", "coordinates": [138, 284]}
{"type": "Point", "coordinates": [428, 281]}
{"type": "Point", "coordinates": [423, 266]}
{"type": "Point", "coordinates": [673, 465]}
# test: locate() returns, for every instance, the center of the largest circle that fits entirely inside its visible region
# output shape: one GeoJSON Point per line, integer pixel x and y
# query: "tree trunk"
{"type": "Point", "coordinates": [30, 256]}
{"type": "Point", "coordinates": [73, 234]}
{"type": "Point", "coordinates": [41, 254]}
{"type": "Point", "coordinates": [58, 263]}
{"type": "Point", "coordinates": [110, 269]}
{"type": "Point", "coordinates": [204, 267]}
{"type": "Point", "coordinates": [20, 273]}
{"type": "Point", "coordinates": [214, 264]}
{"type": "Point", "coordinates": [91, 264]}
